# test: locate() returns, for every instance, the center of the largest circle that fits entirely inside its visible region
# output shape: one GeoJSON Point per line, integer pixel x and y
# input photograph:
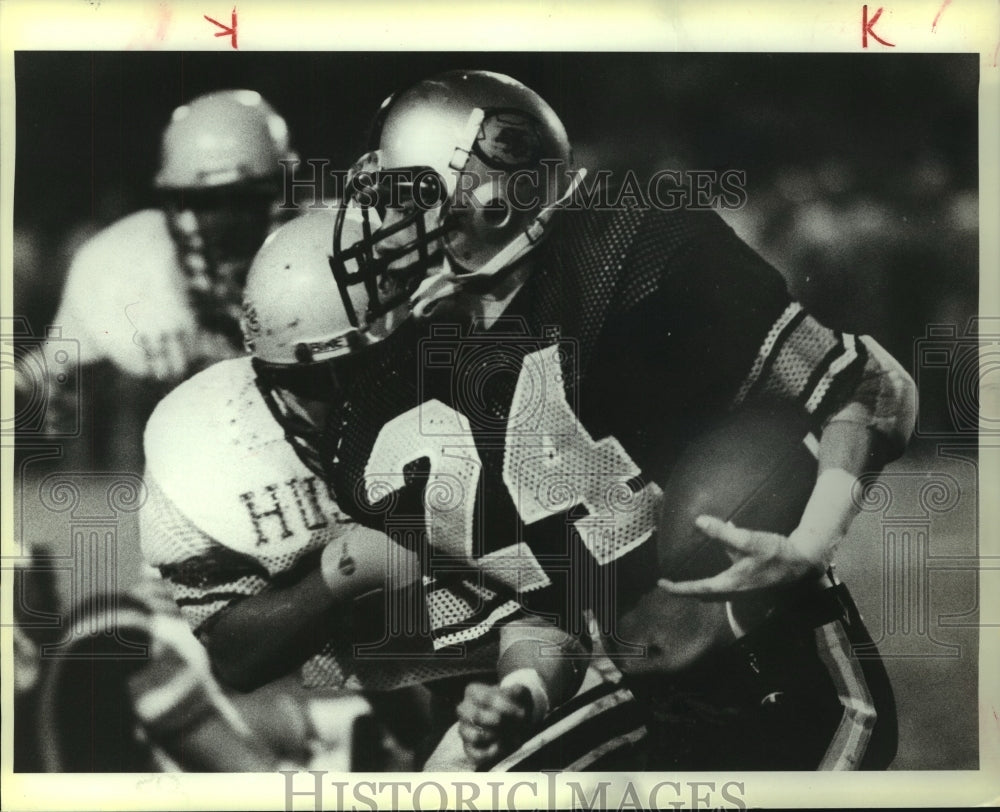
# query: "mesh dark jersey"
{"type": "Point", "coordinates": [523, 460]}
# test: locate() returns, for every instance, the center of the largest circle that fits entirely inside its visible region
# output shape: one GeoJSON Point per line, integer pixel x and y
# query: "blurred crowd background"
{"type": "Point", "coordinates": [861, 181]}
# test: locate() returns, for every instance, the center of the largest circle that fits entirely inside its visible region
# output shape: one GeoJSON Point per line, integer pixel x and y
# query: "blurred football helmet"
{"type": "Point", "coordinates": [467, 167]}
{"type": "Point", "coordinates": [222, 138]}
{"type": "Point", "coordinates": [220, 179]}
{"type": "Point", "coordinates": [296, 326]}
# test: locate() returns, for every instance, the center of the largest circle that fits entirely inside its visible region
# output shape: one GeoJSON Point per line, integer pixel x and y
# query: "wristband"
{"type": "Point", "coordinates": [530, 679]}
{"type": "Point", "coordinates": [832, 505]}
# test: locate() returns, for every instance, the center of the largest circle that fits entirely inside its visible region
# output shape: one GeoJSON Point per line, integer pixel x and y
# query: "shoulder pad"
{"type": "Point", "coordinates": [222, 460]}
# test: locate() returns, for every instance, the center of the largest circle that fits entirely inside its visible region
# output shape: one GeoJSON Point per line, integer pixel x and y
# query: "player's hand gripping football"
{"type": "Point", "coordinates": [493, 721]}
{"type": "Point", "coordinates": [760, 559]}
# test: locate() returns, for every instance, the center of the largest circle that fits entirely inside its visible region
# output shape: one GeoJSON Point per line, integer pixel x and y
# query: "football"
{"type": "Point", "coordinates": [756, 468]}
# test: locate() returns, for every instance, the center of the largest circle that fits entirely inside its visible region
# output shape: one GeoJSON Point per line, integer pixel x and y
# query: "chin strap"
{"type": "Point", "coordinates": [448, 283]}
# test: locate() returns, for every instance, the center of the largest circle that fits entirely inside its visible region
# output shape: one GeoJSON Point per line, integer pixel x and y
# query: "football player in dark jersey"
{"type": "Point", "coordinates": [270, 573]}
{"type": "Point", "coordinates": [522, 427]}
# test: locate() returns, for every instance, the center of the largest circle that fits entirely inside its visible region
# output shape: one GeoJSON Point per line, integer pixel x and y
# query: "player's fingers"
{"type": "Point", "coordinates": [482, 757]}
{"type": "Point", "coordinates": [483, 716]}
{"type": "Point", "coordinates": [748, 542]}
{"type": "Point", "coordinates": [521, 698]}
{"type": "Point", "coordinates": [466, 710]}
{"type": "Point", "coordinates": [479, 693]}
{"type": "Point", "coordinates": [518, 694]}
{"type": "Point", "coordinates": [475, 735]}
{"type": "Point", "coordinates": [476, 691]}
{"type": "Point", "coordinates": [491, 697]}
{"type": "Point", "coordinates": [726, 583]}
{"type": "Point", "coordinates": [724, 531]}
{"type": "Point", "coordinates": [477, 710]}
{"type": "Point", "coordinates": [510, 708]}
{"type": "Point", "coordinates": [175, 351]}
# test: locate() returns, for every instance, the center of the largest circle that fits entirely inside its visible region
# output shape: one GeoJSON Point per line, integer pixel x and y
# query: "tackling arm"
{"type": "Point", "coordinates": [264, 636]}
{"type": "Point", "coordinates": [259, 623]}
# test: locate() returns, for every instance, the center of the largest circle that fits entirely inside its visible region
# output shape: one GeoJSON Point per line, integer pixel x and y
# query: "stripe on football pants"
{"type": "Point", "coordinates": [606, 718]}
{"type": "Point", "coordinates": [850, 740]}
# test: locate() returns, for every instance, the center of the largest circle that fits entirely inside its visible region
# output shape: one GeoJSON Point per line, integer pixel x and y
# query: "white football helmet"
{"type": "Point", "coordinates": [220, 139]}
{"type": "Point", "coordinates": [220, 180]}
{"type": "Point", "coordinates": [296, 326]}
{"type": "Point", "coordinates": [468, 166]}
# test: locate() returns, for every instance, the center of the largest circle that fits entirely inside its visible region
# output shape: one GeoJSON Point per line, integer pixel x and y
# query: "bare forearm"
{"type": "Point", "coordinates": [270, 634]}
{"type": "Point", "coordinates": [846, 451]}
{"type": "Point", "coordinates": [558, 659]}
{"type": "Point", "coordinates": [871, 429]}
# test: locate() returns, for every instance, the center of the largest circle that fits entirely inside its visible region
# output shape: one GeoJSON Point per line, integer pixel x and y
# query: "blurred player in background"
{"type": "Point", "coordinates": [155, 296]}
{"type": "Point", "coordinates": [148, 301]}
{"type": "Point", "coordinates": [595, 342]}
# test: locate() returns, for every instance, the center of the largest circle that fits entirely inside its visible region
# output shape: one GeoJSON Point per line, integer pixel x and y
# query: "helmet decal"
{"type": "Point", "coordinates": [508, 139]}
{"type": "Point", "coordinates": [250, 324]}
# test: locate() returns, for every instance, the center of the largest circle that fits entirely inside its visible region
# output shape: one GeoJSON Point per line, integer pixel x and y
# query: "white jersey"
{"type": "Point", "coordinates": [125, 301]}
{"type": "Point", "coordinates": [230, 507]}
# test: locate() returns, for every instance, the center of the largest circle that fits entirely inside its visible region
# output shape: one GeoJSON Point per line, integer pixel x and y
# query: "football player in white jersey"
{"type": "Point", "coordinates": [272, 576]}
{"type": "Point", "coordinates": [155, 296]}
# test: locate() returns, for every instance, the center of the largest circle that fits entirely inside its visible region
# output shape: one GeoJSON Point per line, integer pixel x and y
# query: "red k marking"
{"type": "Point", "coordinates": [230, 30]}
{"type": "Point", "coordinates": [867, 27]}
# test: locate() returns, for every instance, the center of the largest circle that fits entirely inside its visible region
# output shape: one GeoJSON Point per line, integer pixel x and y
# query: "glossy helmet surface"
{"type": "Point", "coordinates": [295, 325]}
{"type": "Point", "coordinates": [467, 166]}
